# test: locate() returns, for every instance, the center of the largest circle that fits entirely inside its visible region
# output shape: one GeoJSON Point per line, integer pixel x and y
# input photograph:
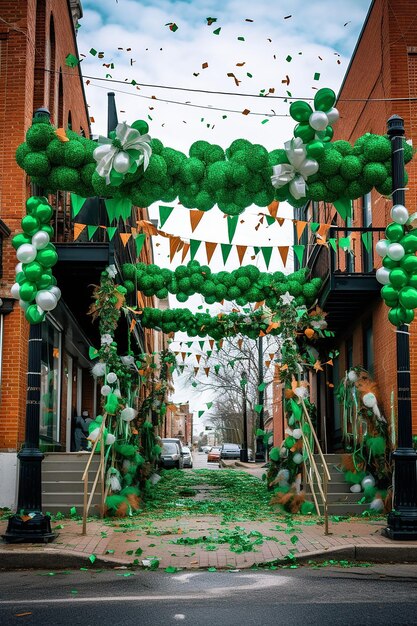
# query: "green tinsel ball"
{"type": "Point", "coordinates": [217, 175]}
{"type": "Point", "coordinates": [343, 147]}
{"type": "Point", "coordinates": [220, 292]}
{"type": "Point", "coordinates": [330, 161]}
{"type": "Point", "coordinates": [74, 153]}
{"type": "Point", "coordinates": [173, 159]}
{"type": "Point", "coordinates": [198, 148]}
{"type": "Point", "coordinates": [214, 153]}
{"type": "Point", "coordinates": [256, 158]}
{"type": "Point", "coordinates": [351, 167]}
{"type": "Point", "coordinates": [36, 164]}
{"type": "Point", "coordinates": [56, 151]}
{"type": "Point", "coordinates": [316, 191]}
{"type": "Point", "coordinates": [357, 188]}
{"type": "Point", "coordinates": [277, 156]}
{"type": "Point", "coordinates": [230, 208]}
{"type": "Point", "coordinates": [243, 283]}
{"type": "Point", "coordinates": [374, 173]}
{"type": "Point", "coordinates": [236, 145]}
{"type": "Point", "coordinates": [386, 188]}
{"type": "Point", "coordinates": [210, 299]}
{"type": "Point", "coordinates": [161, 293]}
{"type": "Point", "coordinates": [309, 292]}
{"type": "Point", "coordinates": [294, 288]}
{"type": "Point", "coordinates": [239, 174]}
{"type": "Point", "coordinates": [376, 148]}
{"type": "Point", "coordinates": [255, 184]}
{"type": "Point", "coordinates": [408, 151]}
{"type": "Point", "coordinates": [157, 146]}
{"type": "Point", "coordinates": [156, 169]}
{"type": "Point", "coordinates": [264, 198]}
{"type": "Point", "coordinates": [282, 193]}
{"type": "Point", "coordinates": [64, 178]}
{"type": "Point", "coordinates": [39, 135]}
{"type": "Point", "coordinates": [337, 184]}
{"type": "Point", "coordinates": [242, 197]}
{"type": "Point", "coordinates": [129, 285]}
{"type": "Point", "coordinates": [191, 170]}
{"type": "Point", "coordinates": [234, 293]}
{"type": "Point", "coordinates": [182, 297]}
{"type": "Point", "coordinates": [21, 152]}
{"type": "Point", "coordinates": [204, 201]}
{"type": "Point", "coordinates": [359, 144]}
{"type": "Point", "coordinates": [87, 172]}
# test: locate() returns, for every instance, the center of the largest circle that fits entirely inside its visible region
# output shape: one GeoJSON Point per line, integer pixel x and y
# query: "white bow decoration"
{"type": "Point", "coordinates": [121, 153]}
{"type": "Point", "coordinates": [296, 171]}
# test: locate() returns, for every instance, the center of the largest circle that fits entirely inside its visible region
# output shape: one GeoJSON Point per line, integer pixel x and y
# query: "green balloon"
{"type": "Point", "coordinates": [325, 99]}
{"type": "Point", "coordinates": [48, 229]}
{"type": "Point", "coordinates": [315, 149]}
{"type": "Point", "coordinates": [412, 281]}
{"type": "Point", "coordinates": [289, 442]}
{"type": "Point", "coordinates": [44, 281]}
{"type": "Point", "coordinates": [300, 111]}
{"type": "Point", "coordinates": [389, 263]}
{"type": "Point", "coordinates": [407, 315]}
{"type": "Point", "coordinates": [409, 263]}
{"type": "Point", "coordinates": [27, 291]}
{"type": "Point", "coordinates": [33, 202]}
{"type": "Point", "coordinates": [394, 232]}
{"type": "Point", "coordinates": [21, 278]}
{"type": "Point", "coordinates": [141, 126]}
{"type": "Point", "coordinates": [33, 271]}
{"type": "Point", "coordinates": [398, 278]}
{"type": "Point", "coordinates": [33, 316]}
{"type": "Point", "coordinates": [305, 132]}
{"type": "Point", "coordinates": [30, 224]}
{"type": "Point", "coordinates": [408, 297]}
{"type": "Point", "coordinates": [47, 257]}
{"type": "Point", "coordinates": [328, 134]}
{"type": "Point", "coordinates": [20, 239]}
{"type": "Point", "coordinates": [43, 212]}
{"type": "Point", "coordinates": [409, 242]}
{"type": "Point", "coordinates": [390, 295]}
{"type": "Point", "coordinates": [395, 317]}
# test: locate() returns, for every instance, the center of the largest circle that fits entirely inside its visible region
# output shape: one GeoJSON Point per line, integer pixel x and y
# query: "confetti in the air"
{"type": "Point", "coordinates": [172, 26]}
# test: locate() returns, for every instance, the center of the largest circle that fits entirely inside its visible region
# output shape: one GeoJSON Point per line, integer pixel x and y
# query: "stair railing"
{"type": "Point", "coordinates": [99, 474]}
{"type": "Point", "coordinates": [313, 474]}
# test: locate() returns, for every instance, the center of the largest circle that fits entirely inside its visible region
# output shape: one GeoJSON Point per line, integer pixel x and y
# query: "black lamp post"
{"type": "Point", "coordinates": [402, 521]}
{"type": "Point", "coordinates": [29, 523]}
{"type": "Point", "coordinates": [260, 448]}
{"type": "Point", "coordinates": [244, 450]}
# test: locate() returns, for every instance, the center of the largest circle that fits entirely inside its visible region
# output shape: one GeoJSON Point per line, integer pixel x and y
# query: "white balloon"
{"type": "Point", "coordinates": [352, 376]}
{"type": "Point", "coordinates": [110, 439]}
{"type": "Point", "coordinates": [26, 253]}
{"type": "Point", "coordinates": [396, 251]}
{"type": "Point", "coordinates": [318, 120]}
{"type": "Point", "coordinates": [399, 214]}
{"type": "Point", "coordinates": [40, 239]}
{"type": "Point", "coordinates": [94, 434]}
{"type": "Point", "coordinates": [356, 488]}
{"type": "Point", "coordinates": [297, 458]}
{"type": "Point", "coordinates": [382, 275]}
{"type": "Point", "coordinates": [19, 268]}
{"type": "Point", "coordinates": [128, 414]}
{"type": "Point", "coordinates": [56, 291]}
{"type": "Point", "coordinates": [111, 378]}
{"type": "Point", "coordinates": [15, 291]}
{"type": "Point", "coordinates": [297, 433]}
{"type": "Point", "coordinates": [101, 151]}
{"type": "Point", "coordinates": [105, 390]}
{"type": "Point", "coordinates": [46, 300]}
{"type": "Point", "coordinates": [117, 393]}
{"type": "Point", "coordinates": [332, 115]}
{"type": "Point", "coordinates": [310, 167]}
{"type": "Point", "coordinates": [368, 481]}
{"type": "Point", "coordinates": [98, 369]}
{"type": "Point", "coordinates": [377, 504]}
{"type": "Point", "coordinates": [121, 162]}
{"type": "Point", "coordinates": [369, 400]}
{"type": "Point", "coordinates": [382, 247]}
{"type": "Point", "coordinates": [23, 304]}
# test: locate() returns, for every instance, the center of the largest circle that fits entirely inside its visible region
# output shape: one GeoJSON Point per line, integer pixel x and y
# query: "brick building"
{"type": "Point", "coordinates": [35, 38]}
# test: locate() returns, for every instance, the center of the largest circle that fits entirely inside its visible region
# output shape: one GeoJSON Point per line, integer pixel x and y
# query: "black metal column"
{"type": "Point", "coordinates": [244, 450]}
{"type": "Point", "coordinates": [260, 448]}
{"type": "Point", "coordinates": [402, 521]}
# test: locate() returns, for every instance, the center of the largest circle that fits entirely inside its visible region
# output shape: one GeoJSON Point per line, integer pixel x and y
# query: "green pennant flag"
{"type": "Point", "coordinates": [110, 231]}
{"type": "Point", "coordinates": [189, 344]}
{"type": "Point", "coordinates": [262, 386]}
{"type": "Point", "coordinates": [92, 353]}
{"type": "Point", "coordinates": [200, 413]}
{"type": "Point", "coordinates": [314, 226]}
{"type": "Point", "coordinates": [209, 353]}
{"type": "Point", "coordinates": [139, 241]}
{"type": "Point", "coordinates": [258, 408]}
{"type": "Point", "coordinates": [333, 243]}
{"type": "Point", "coordinates": [118, 208]}
{"type": "Point", "coordinates": [91, 230]}
{"type": "Point", "coordinates": [226, 248]}
{"type": "Point", "coordinates": [266, 253]}
{"type": "Point", "coordinates": [232, 363]}
{"type": "Point", "coordinates": [270, 220]}
{"type": "Point", "coordinates": [231, 226]}
{"type": "Point", "coordinates": [201, 344]}
{"type": "Point", "coordinates": [217, 368]}
{"type": "Point", "coordinates": [164, 213]}
{"type": "Point", "coordinates": [256, 250]}
{"type": "Point", "coordinates": [299, 253]}
{"type": "Point", "coordinates": [77, 203]}
{"type": "Point", "coordinates": [209, 405]}
{"type": "Point", "coordinates": [344, 243]}
{"type": "Point", "coordinates": [367, 241]}
{"type": "Point", "coordinates": [344, 207]}
{"type": "Point", "coordinates": [194, 246]}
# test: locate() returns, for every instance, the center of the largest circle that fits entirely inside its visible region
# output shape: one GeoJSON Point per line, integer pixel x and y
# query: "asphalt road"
{"type": "Point", "coordinates": [200, 461]}
{"type": "Point", "coordinates": [381, 595]}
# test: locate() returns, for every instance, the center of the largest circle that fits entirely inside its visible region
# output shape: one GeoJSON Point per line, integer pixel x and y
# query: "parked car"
{"type": "Point", "coordinates": [230, 451]}
{"type": "Point", "coordinates": [171, 456]}
{"type": "Point", "coordinates": [175, 439]}
{"type": "Point", "coordinates": [187, 456]}
{"type": "Point", "coordinates": [206, 449]}
{"type": "Point", "coordinates": [214, 455]}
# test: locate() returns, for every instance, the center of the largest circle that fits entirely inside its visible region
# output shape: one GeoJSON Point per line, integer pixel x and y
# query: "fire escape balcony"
{"type": "Point", "coordinates": [347, 272]}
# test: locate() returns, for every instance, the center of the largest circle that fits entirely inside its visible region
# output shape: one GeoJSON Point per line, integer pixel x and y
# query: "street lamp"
{"type": "Point", "coordinates": [244, 450]}
{"type": "Point", "coordinates": [402, 521]}
{"type": "Point", "coordinates": [29, 523]}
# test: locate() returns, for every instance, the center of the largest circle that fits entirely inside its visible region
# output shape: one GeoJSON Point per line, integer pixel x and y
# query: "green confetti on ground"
{"type": "Point", "coordinates": [71, 60]}
{"type": "Point", "coordinates": [92, 558]}
{"type": "Point", "coordinates": [212, 569]}
{"type": "Point", "coordinates": [109, 551]}
{"type": "Point", "coordinates": [171, 570]}
{"type": "Point", "coordinates": [294, 539]}
{"type": "Point", "coordinates": [74, 592]}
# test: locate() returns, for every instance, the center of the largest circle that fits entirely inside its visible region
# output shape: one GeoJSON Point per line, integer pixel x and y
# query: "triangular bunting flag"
{"type": "Point", "coordinates": [261, 387]}
{"type": "Point", "coordinates": [195, 218]}
{"type": "Point", "coordinates": [196, 371]}
{"type": "Point", "coordinates": [118, 208]}
{"type": "Point", "coordinates": [367, 241]}
{"type": "Point", "coordinates": [210, 248]}
{"type": "Point", "coordinates": [174, 243]}
{"type": "Point", "coordinates": [139, 241]}
{"type": "Point", "coordinates": [132, 325]}
{"type": "Point", "coordinates": [270, 220]}
{"type": "Point", "coordinates": [201, 344]}
{"type": "Point", "coordinates": [271, 355]}
{"type": "Point", "coordinates": [211, 343]}
{"type": "Point", "coordinates": [267, 363]}
{"type": "Point", "coordinates": [231, 226]}
{"type": "Point", "coordinates": [280, 220]}
{"type": "Point", "coordinates": [111, 231]}
{"type": "Point", "coordinates": [314, 226]}
{"type": "Point", "coordinates": [209, 353]}
{"type": "Point", "coordinates": [183, 354]}
{"type": "Point", "coordinates": [209, 405]}
{"type": "Point", "coordinates": [194, 246]}
{"type": "Point", "coordinates": [273, 208]}
{"type": "Point", "coordinates": [258, 408]}
{"type": "Point", "coordinates": [241, 252]}
{"type": "Point", "coordinates": [333, 243]}
{"type": "Point", "coordinates": [283, 251]}
{"type": "Point", "coordinates": [91, 230]}
{"type": "Point", "coordinates": [185, 251]}
{"type": "Point", "coordinates": [225, 247]}
{"type": "Point", "coordinates": [239, 343]}
{"type": "Point", "coordinates": [164, 213]}
{"type": "Point", "coordinates": [78, 229]}
{"type": "Point", "coordinates": [125, 238]}
{"type": "Point", "coordinates": [299, 227]}
{"type": "Point", "coordinates": [344, 243]}
{"type": "Point", "coordinates": [198, 358]}
{"type": "Point", "coordinates": [322, 231]}
{"type": "Point", "coordinates": [207, 370]}
{"type": "Point", "coordinates": [77, 203]}
{"type": "Point", "coordinates": [266, 253]}
{"type": "Point", "coordinates": [344, 207]}
{"type": "Point", "coordinates": [217, 368]}
{"type": "Point", "coordinates": [299, 253]}
{"type": "Point", "coordinates": [200, 413]}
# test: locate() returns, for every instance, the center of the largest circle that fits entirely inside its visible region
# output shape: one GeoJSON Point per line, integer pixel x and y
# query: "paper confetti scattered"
{"type": "Point", "coordinates": [246, 112]}
{"type": "Point", "coordinates": [93, 52]}
{"type": "Point", "coordinates": [289, 58]}
{"type": "Point", "coordinates": [287, 17]}
{"type": "Point", "coordinates": [217, 31]}
{"type": "Point", "coordinates": [204, 65]}
{"type": "Point", "coordinates": [211, 20]}
{"type": "Point", "coordinates": [231, 75]}
{"type": "Point", "coordinates": [172, 26]}
{"type": "Point", "coordinates": [92, 558]}
{"type": "Point", "coordinates": [241, 39]}
{"type": "Point", "coordinates": [71, 60]}
{"type": "Point", "coordinates": [317, 76]}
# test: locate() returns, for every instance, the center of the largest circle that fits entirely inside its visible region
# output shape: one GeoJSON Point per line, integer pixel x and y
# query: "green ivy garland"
{"type": "Point", "coordinates": [244, 285]}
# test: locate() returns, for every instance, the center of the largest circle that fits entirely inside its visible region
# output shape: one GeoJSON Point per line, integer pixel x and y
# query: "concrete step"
{"type": "Point", "coordinates": [345, 509]}
{"type": "Point", "coordinates": [65, 508]}
{"type": "Point", "coordinates": [66, 475]}
{"type": "Point", "coordinates": [65, 486]}
{"type": "Point", "coordinates": [69, 499]}
{"type": "Point", "coordinates": [67, 457]}
{"type": "Point", "coordinates": [332, 486]}
{"type": "Point", "coordinates": [56, 466]}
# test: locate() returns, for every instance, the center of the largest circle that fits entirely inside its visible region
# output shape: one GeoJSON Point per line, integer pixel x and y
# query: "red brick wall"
{"type": "Point", "coordinates": [18, 41]}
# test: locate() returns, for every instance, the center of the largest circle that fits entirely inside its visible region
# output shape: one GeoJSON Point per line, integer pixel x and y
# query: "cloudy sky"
{"type": "Point", "coordinates": [281, 46]}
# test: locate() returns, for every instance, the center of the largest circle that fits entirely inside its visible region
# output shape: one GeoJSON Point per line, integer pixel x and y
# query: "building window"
{"type": "Point", "coordinates": [367, 251]}
{"type": "Point", "coordinates": [50, 410]}
{"type": "Point", "coordinates": [39, 75]}
{"type": "Point", "coordinates": [368, 348]}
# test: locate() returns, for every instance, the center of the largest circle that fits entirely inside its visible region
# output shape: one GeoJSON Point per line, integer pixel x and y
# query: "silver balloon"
{"type": "Point", "coordinates": [395, 251]}
{"type": "Point", "coordinates": [318, 120]}
{"type": "Point", "coordinates": [382, 276]}
{"type": "Point", "coordinates": [18, 268]}
{"type": "Point", "coordinates": [56, 291]}
{"type": "Point", "coordinates": [310, 167]}
{"type": "Point", "coordinates": [368, 481]}
{"type": "Point", "coordinates": [40, 239]}
{"type": "Point", "coordinates": [399, 214]}
{"type": "Point", "coordinates": [101, 151]}
{"type": "Point", "coordinates": [356, 488]}
{"type": "Point", "coordinates": [121, 162]}
{"type": "Point", "coordinates": [332, 115]}
{"type": "Point", "coordinates": [23, 304]}
{"type": "Point", "coordinates": [26, 253]}
{"type": "Point", "coordinates": [15, 291]}
{"type": "Point", "coordinates": [46, 300]}
{"type": "Point", "coordinates": [105, 390]}
{"type": "Point", "coordinates": [382, 247]}
{"type": "Point", "coordinates": [297, 458]}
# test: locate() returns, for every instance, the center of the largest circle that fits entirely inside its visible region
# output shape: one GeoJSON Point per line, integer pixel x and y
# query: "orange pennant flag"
{"type": "Point", "coordinates": [195, 218]}
{"type": "Point", "coordinates": [241, 252]}
{"type": "Point", "coordinates": [267, 363]}
{"type": "Point", "coordinates": [299, 227]}
{"type": "Point", "coordinates": [220, 344]}
{"type": "Point", "coordinates": [207, 369]}
{"type": "Point", "coordinates": [283, 252]}
{"type": "Point", "coordinates": [147, 227]}
{"type": "Point", "coordinates": [78, 229]}
{"type": "Point", "coordinates": [183, 354]}
{"type": "Point", "coordinates": [141, 302]}
{"type": "Point", "coordinates": [272, 354]}
{"type": "Point", "coordinates": [198, 357]}
{"type": "Point", "coordinates": [125, 238]}
{"type": "Point", "coordinates": [196, 371]}
{"type": "Point", "coordinates": [273, 208]}
{"type": "Point", "coordinates": [174, 242]}
{"type": "Point", "coordinates": [132, 325]}
{"type": "Point", "coordinates": [239, 343]}
{"type": "Point", "coordinates": [258, 304]}
{"type": "Point", "coordinates": [280, 220]}
{"type": "Point", "coordinates": [210, 248]}
{"type": "Point", "coordinates": [329, 362]}
{"type": "Point", "coordinates": [185, 251]}
{"type": "Point", "coordinates": [261, 333]}
{"type": "Point", "coordinates": [211, 343]}
{"type": "Point", "coordinates": [322, 230]}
